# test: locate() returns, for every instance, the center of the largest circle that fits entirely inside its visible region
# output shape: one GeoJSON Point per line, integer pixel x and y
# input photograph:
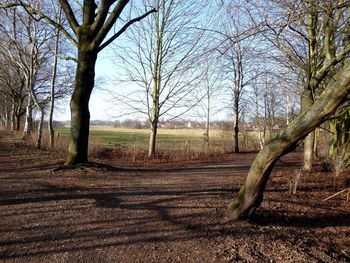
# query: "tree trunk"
{"type": "Point", "coordinates": [236, 140]}
{"type": "Point", "coordinates": [18, 121]}
{"type": "Point", "coordinates": [334, 138]}
{"type": "Point", "coordinates": [340, 139]}
{"type": "Point", "coordinates": [235, 124]}
{"type": "Point", "coordinates": [251, 194]}
{"type": "Point", "coordinates": [53, 80]}
{"type": "Point", "coordinates": [28, 125]}
{"type": "Point", "coordinates": [152, 141]}
{"type": "Point", "coordinates": [40, 129]}
{"type": "Point", "coordinates": [13, 116]}
{"type": "Point", "coordinates": [207, 125]}
{"type": "Point", "coordinates": [207, 133]}
{"type": "Point", "coordinates": [7, 119]}
{"type": "Point", "coordinates": [316, 140]}
{"type": "Point", "coordinates": [80, 115]}
{"type": "Point", "coordinates": [261, 139]}
{"type": "Point", "coordinates": [309, 151]}
{"type": "Point", "coordinates": [306, 103]}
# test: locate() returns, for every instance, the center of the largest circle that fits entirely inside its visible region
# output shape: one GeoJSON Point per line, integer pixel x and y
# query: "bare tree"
{"type": "Point", "coordinates": [313, 36]}
{"type": "Point", "coordinates": [326, 62]}
{"type": "Point", "coordinates": [158, 61]}
{"type": "Point", "coordinates": [12, 90]}
{"type": "Point", "coordinates": [89, 25]}
{"type": "Point", "coordinates": [26, 43]}
{"type": "Point", "coordinates": [54, 75]}
{"type": "Point", "coordinates": [208, 95]}
{"type": "Point", "coordinates": [240, 56]}
{"type": "Point", "coordinates": [251, 193]}
{"type": "Point", "coordinates": [241, 72]}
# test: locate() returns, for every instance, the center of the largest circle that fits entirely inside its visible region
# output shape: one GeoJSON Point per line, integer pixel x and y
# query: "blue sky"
{"type": "Point", "coordinates": [99, 105]}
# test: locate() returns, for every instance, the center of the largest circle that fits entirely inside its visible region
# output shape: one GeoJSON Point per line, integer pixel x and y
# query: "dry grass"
{"type": "Point", "coordinates": [131, 145]}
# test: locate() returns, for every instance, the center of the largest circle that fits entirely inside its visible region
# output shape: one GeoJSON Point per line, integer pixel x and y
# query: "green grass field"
{"type": "Point", "coordinates": [170, 139]}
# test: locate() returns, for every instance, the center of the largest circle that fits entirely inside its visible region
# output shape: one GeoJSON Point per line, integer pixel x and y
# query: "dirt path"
{"type": "Point", "coordinates": [172, 215]}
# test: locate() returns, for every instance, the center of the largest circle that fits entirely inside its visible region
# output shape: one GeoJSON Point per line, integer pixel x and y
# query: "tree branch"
{"type": "Point", "coordinates": [104, 29]}
{"type": "Point", "coordinates": [100, 18]}
{"type": "Point", "coordinates": [70, 16]}
{"type": "Point", "coordinates": [132, 21]}
{"type": "Point", "coordinates": [30, 10]}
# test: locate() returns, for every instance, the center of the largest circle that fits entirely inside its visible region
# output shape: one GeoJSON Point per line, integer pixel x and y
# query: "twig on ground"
{"type": "Point", "coordinates": [338, 193]}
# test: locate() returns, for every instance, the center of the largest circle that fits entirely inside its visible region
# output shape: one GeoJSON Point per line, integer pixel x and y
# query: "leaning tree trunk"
{"type": "Point", "coordinates": [80, 115]}
{"type": "Point", "coordinates": [251, 194]}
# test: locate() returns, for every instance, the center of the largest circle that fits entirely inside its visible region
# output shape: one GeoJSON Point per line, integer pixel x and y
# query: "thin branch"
{"type": "Point", "coordinates": [33, 11]}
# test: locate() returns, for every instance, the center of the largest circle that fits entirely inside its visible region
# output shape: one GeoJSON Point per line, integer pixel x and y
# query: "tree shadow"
{"type": "Point", "coordinates": [311, 220]}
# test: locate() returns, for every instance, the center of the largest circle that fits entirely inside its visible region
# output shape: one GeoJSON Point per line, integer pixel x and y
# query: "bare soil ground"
{"type": "Point", "coordinates": [163, 215]}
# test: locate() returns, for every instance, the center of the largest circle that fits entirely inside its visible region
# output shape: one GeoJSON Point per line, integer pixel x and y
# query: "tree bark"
{"type": "Point", "coordinates": [251, 194]}
{"type": "Point", "coordinates": [340, 139]}
{"type": "Point", "coordinates": [235, 123]}
{"type": "Point", "coordinates": [40, 129]}
{"type": "Point", "coordinates": [13, 116]}
{"type": "Point", "coordinates": [236, 140]}
{"type": "Point", "coordinates": [18, 119]}
{"type": "Point", "coordinates": [207, 125]}
{"type": "Point", "coordinates": [28, 125]}
{"type": "Point", "coordinates": [53, 81]}
{"type": "Point", "coordinates": [306, 102]}
{"type": "Point", "coordinates": [80, 115]}
{"type": "Point", "coordinates": [153, 140]}
{"type": "Point", "coordinates": [207, 132]}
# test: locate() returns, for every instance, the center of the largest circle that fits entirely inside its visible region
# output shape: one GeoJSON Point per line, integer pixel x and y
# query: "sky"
{"type": "Point", "coordinates": [99, 105]}
{"type": "Point", "coordinates": [101, 108]}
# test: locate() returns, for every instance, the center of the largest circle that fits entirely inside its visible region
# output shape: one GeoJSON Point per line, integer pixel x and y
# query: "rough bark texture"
{"type": "Point", "coordinates": [340, 139]}
{"type": "Point", "coordinates": [251, 193]}
{"type": "Point", "coordinates": [80, 115]}
{"type": "Point", "coordinates": [306, 102]}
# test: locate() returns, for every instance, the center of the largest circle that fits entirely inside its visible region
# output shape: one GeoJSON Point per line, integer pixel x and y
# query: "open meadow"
{"type": "Point", "coordinates": [167, 139]}
{"type": "Point", "coordinates": [130, 146]}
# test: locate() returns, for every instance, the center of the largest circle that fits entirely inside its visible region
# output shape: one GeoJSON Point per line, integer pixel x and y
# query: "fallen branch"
{"type": "Point", "coordinates": [342, 191]}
